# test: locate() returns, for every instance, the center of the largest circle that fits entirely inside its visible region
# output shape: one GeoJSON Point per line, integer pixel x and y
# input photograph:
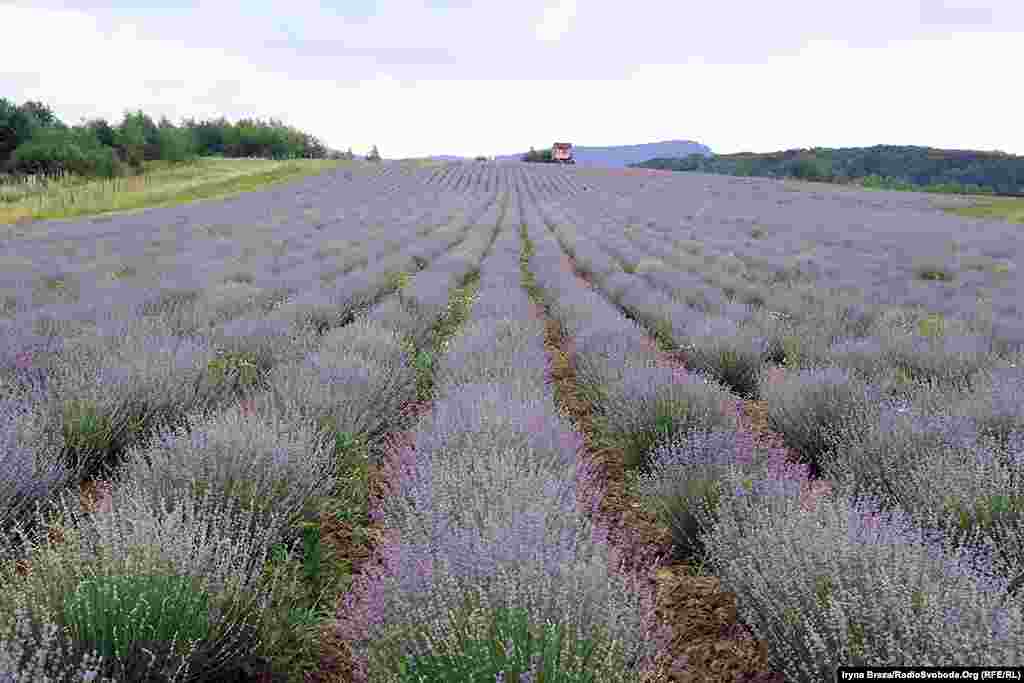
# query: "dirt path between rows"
{"type": "Point", "coordinates": [717, 645]}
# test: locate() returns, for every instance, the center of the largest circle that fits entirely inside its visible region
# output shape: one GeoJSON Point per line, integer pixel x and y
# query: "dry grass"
{"type": "Point", "coordinates": [1009, 209]}
{"type": "Point", "coordinates": [162, 184]}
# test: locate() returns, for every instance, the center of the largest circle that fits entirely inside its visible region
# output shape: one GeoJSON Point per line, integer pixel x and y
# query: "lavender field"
{"type": "Point", "coordinates": [403, 423]}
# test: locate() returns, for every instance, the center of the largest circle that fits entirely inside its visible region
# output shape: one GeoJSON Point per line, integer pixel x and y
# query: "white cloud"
{"type": "Point", "coordinates": [626, 76]}
{"type": "Point", "coordinates": [557, 20]}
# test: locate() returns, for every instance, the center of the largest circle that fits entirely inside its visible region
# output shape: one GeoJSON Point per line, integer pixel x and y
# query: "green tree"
{"type": "Point", "coordinates": [176, 144]}
{"type": "Point", "coordinates": [15, 128]}
{"type": "Point", "coordinates": [130, 140]}
{"type": "Point", "coordinates": [41, 114]}
{"type": "Point", "coordinates": [76, 150]}
{"type": "Point", "coordinates": [374, 155]}
{"type": "Point", "coordinates": [104, 133]}
{"type": "Point", "coordinates": [543, 156]}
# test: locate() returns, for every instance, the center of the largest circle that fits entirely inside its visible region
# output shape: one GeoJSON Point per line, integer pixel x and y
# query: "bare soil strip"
{"type": "Point", "coordinates": [718, 646]}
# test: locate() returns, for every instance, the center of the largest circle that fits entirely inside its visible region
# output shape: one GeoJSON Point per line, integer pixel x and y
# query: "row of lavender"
{"type": "Point", "coordinates": [488, 531]}
{"type": "Point", "coordinates": [204, 289]}
{"type": "Point", "coordinates": [802, 250]}
{"type": "Point", "coordinates": [636, 400]}
{"type": "Point", "coordinates": [835, 419]}
{"type": "Point", "coordinates": [170, 392]}
{"type": "Point", "coordinates": [869, 340]}
{"type": "Point", "coordinates": [147, 362]}
{"type": "Point", "coordinates": [544, 182]}
{"type": "Point", "coordinates": [72, 271]}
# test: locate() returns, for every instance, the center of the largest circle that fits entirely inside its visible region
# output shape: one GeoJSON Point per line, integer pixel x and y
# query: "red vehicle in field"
{"type": "Point", "coordinates": [561, 152]}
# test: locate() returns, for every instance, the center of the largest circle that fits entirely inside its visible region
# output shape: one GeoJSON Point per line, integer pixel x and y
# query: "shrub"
{"type": "Point", "coordinates": [947, 359]}
{"type": "Point", "coordinates": [997, 404]}
{"type": "Point", "coordinates": [495, 351]}
{"type": "Point", "coordinates": [604, 356]}
{"type": "Point", "coordinates": [848, 584]}
{"type": "Point", "coordinates": [523, 437]}
{"type": "Point", "coordinates": [55, 150]}
{"type": "Point", "coordinates": [345, 392]}
{"type": "Point", "coordinates": [110, 613]}
{"type": "Point", "coordinates": [936, 465]}
{"type": "Point", "coordinates": [34, 650]}
{"type": "Point", "coordinates": [364, 339]}
{"type": "Point", "coordinates": [31, 468]}
{"type": "Point", "coordinates": [990, 525]}
{"type": "Point", "coordinates": [275, 467]}
{"type": "Point", "coordinates": [687, 477]}
{"type": "Point", "coordinates": [805, 405]}
{"type": "Point", "coordinates": [549, 652]}
{"type": "Point", "coordinates": [934, 272]}
{"type": "Point", "coordinates": [655, 404]}
{"type": "Point", "coordinates": [854, 320]}
{"type": "Point", "coordinates": [251, 347]}
{"type": "Point", "coordinates": [486, 506]}
{"type": "Point", "coordinates": [192, 543]}
{"type": "Point", "coordinates": [732, 357]}
{"type": "Point", "coordinates": [117, 388]}
{"type": "Point", "coordinates": [170, 302]}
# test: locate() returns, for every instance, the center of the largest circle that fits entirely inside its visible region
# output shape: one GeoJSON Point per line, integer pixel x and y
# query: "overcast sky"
{"type": "Point", "coordinates": [497, 76]}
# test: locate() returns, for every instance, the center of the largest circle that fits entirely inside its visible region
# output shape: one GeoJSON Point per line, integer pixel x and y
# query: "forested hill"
{"type": "Point", "coordinates": [888, 166]}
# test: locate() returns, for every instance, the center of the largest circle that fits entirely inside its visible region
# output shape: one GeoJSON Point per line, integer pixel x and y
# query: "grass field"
{"type": "Point", "coordinates": [1006, 208]}
{"type": "Point", "coordinates": [162, 184]}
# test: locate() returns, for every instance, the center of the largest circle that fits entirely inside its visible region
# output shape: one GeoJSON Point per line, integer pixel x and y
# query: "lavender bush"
{"type": "Point", "coordinates": [608, 354]}
{"type": "Point", "coordinates": [177, 306]}
{"type": "Point", "coordinates": [33, 650]}
{"type": "Point", "coordinates": [25, 355]}
{"type": "Point", "coordinates": [487, 512]}
{"type": "Point", "coordinates": [278, 468]}
{"type": "Point", "coordinates": [551, 652]}
{"type": "Point", "coordinates": [345, 393]}
{"type": "Point", "coordinates": [804, 406]}
{"type": "Point", "coordinates": [687, 476]}
{"type": "Point", "coordinates": [848, 584]}
{"type": "Point", "coordinates": [31, 467]}
{"type": "Point", "coordinates": [266, 340]}
{"type": "Point", "coordinates": [869, 357]}
{"type": "Point", "coordinates": [722, 350]}
{"type": "Point", "coordinates": [938, 467]}
{"type": "Point", "coordinates": [654, 404]}
{"type": "Point", "coordinates": [494, 351]}
{"type": "Point", "coordinates": [116, 388]}
{"type": "Point", "coordinates": [853, 320]}
{"type": "Point", "coordinates": [146, 637]}
{"type": "Point", "coordinates": [948, 359]}
{"type": "Point", "coordinates": [998, 402]}
{"type": "Point", "coordinates": [655, 311]}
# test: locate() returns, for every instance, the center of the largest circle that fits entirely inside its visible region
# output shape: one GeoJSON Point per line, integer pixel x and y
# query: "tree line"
{"type": "Point", "coordinates": [882, 166]}
{"type": "Point", "coordinates": [543, 156]}
{"type": "Point", "coordinates": [34, 140]}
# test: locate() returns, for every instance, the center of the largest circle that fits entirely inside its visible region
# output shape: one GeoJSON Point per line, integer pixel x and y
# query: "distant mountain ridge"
{"type": "Point", "coordinates": [619, 156]}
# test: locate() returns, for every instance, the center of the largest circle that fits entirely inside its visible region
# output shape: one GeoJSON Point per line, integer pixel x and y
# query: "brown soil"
{"type": "Point", "coordinates": [703, 617]}
{"type": "Point", "coordinates": [336, 663]}
{"type": "Point", "coordinates": [717, 646]}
